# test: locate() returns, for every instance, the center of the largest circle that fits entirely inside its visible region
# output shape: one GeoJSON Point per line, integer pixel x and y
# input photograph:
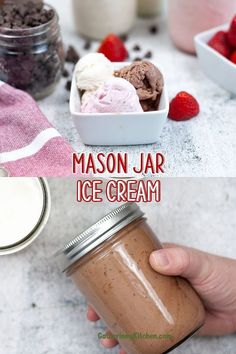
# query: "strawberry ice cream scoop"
{"type": "Point", "coordinates": [116, 95]}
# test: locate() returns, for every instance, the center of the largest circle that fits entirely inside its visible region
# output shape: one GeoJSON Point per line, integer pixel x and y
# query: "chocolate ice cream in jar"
{"type": "Point", "coordinates": [110, 264]}
{"type": "Point", "coordinates": [31, 49]}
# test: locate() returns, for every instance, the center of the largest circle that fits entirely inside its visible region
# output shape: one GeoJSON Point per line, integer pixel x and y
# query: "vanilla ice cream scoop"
{"type": "Point", "coordinates": [116, 95]}
{"type": "Point", "coordinates": [92, 71]}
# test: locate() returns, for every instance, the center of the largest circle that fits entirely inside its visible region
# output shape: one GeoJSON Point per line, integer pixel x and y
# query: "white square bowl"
{"type": "Point", "coordinates": [112, 129]}
{"type": "Point", "coordinates": [218, 68]}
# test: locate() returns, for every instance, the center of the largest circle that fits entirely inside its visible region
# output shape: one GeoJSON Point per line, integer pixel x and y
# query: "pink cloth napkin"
{"type": "Point", "coordinates": [29, 145]}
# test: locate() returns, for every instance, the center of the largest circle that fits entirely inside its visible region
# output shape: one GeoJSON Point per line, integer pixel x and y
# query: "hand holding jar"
{"type": "Point", "coordinates": [209, 275]}
{"type": "Point", "coordinates": [110, 264]}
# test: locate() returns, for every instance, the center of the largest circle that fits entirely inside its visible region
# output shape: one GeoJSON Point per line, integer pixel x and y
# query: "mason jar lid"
{"type": "Point", "coordinates": [24, 212]}
{"type": "Point", "coordinates": [97, 234]}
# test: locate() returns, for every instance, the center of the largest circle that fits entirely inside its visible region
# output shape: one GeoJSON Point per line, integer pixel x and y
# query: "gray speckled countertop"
{"type": "Point", "coordinates": [204, 146]}
{"type": "Point", "coordinates": [42, 312]}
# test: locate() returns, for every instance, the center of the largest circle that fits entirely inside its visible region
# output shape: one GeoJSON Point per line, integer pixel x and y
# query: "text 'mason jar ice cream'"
{"type": "Point", "coordinates": [190, 17]}
{"type": "Point", "coordinates": [110, 264]}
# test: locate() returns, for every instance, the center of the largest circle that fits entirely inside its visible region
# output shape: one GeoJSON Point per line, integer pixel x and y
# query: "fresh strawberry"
{"type": "Point", "coordinates": [232, 33]}
{"type": "Point", "coordinates": [220, 43]}
{"type": "Point", "coordinates": [113, 48]}
{"type": "Point", "coordinates": [183, 107]}
{"type": "Point", "coordinates": [233, 57]}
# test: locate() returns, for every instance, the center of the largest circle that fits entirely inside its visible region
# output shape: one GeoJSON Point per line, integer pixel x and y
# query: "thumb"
{"type": "Point", "coordinates": [194, 265]}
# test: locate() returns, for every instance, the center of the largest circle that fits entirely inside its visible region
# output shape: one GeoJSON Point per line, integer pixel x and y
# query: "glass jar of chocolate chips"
{"type": "Point", "coordinates": [31, 48]}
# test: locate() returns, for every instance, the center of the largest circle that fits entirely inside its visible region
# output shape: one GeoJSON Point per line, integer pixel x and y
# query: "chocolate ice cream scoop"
{"type": "Point", "coordinates": [148, 81]}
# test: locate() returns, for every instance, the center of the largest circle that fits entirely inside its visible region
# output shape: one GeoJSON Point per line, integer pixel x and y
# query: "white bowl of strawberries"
{"type": "Point", "coordinates": [216, 50]}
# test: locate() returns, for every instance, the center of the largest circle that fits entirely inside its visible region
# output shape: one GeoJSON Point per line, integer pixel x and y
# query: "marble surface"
{"type": "Point", "coordinates": [204, 146]}
{"type": "Point", "coordinates": [42, 312]}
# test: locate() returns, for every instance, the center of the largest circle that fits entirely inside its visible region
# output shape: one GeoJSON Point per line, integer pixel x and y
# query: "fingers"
{"type": "Point", "coordinates": [182, 261]}
{"type": "Point", "coordinates": [213, 326]}
{"type": "Point", "coordinates": [122, 351]}
{"type": "Point", "coordinates": [91, 315]}
{"type": "Point", "coordinates": [109, 343]}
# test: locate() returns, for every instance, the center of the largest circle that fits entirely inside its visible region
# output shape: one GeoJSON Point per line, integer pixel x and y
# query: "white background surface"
{"type": "Point", "coordinates": [204, 146]}
{"type": "Point", "coordinates": [198, 213]}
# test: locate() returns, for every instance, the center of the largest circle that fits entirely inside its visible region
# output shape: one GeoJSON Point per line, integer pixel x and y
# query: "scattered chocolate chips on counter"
{"type": "Point", "coordinates": [136, 48]}
{"type": "Point", "coordinates": [68, 85]}
{"type": "Point", "coordinates": [72, 56]}
{"type": "Point", "coordinates": [138, 59]}
{"type": "Point", "coordinates": [25, 15]}
{"type": "Point", "coordinates": [148, 55]}
{"type": "Point", "coordinates": [87, 45]}
{"type": "Point", "coordinates": [65, 73]}
{"type": "Point", "coordinates": [154, 29]}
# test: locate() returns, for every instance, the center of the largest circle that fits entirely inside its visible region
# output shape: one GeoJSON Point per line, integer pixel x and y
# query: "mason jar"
{"type": "Point", "coordinates": [188, 18]}
{"type": "Point", "coordinates": [32, 59]}
{"type": "Point", "coordinates": [110, 264]}
{"type": "Point", "coordinates": [24, 212]}
{"type": "Point", "coordinates": [96, 19]}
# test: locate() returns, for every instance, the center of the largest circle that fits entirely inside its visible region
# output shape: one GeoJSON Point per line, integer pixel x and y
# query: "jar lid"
{"type": "Point", "coordinates": [24, 212]}
{"type": "Point", "coordinates": [97, 234]}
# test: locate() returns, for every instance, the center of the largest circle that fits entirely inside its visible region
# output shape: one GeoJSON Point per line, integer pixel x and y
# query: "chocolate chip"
{"type": "Point", "coordinates": [148, 55]}
{"type": "Point", "coordinates": [1, 20]}
{"type": "Point", "coordinates": [65, 73]}
{"type": "Point", "coordinates": [50, 13]}
{"type": "Point", "coordinates": [153, 29]}
{"type": "Point", "coordinates": [39, 5]}
{"type": "Point", "coordinates": [138, 59]}
{"type": "Point", "coordinates": [72, 55]}
{"type": "Point", "coordinates": [23, 11]}
{"type": "Point", "coordinates": [68, 85]}
{"type": "Point", "coordinates": [136, 48]}
{"type": "Point", "coordinates": [87, 45]}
